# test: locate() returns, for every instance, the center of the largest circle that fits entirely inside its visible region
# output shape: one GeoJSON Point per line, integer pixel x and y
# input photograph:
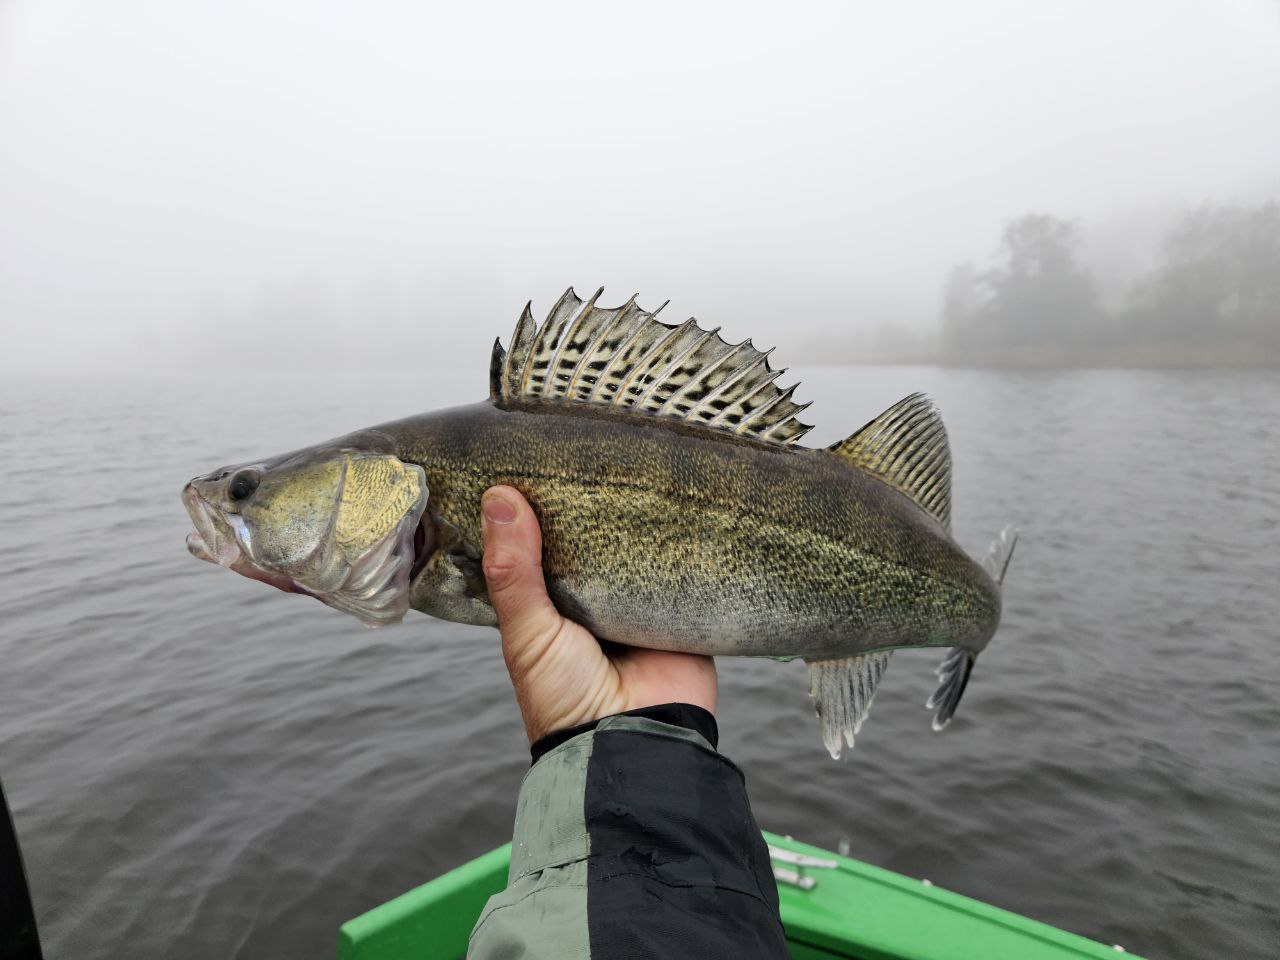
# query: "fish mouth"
{"type": "Point", "coordinates": [216, 539]}
{"type": "Point", "coordinates": [213, 539]}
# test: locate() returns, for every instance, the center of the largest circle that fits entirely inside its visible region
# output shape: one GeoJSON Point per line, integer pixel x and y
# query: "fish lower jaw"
{"type": "Point", "coordinates": [198, 548]}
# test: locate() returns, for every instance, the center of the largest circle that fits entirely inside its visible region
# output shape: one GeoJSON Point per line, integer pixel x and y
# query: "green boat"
{"type": "Point", "coordinates": [832, 906]}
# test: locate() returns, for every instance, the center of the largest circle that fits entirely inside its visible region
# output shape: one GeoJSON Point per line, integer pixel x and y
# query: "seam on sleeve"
{"type": "Point", "coordinates": [565, 861]}
{"type": "Point", "coordinates": [679, 885]}
{"type": "Point", "coordinates": [540, 887]}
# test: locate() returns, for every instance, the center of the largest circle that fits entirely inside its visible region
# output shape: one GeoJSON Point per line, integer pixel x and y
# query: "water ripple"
{"type": "Point", "coordinates": [202, 767]}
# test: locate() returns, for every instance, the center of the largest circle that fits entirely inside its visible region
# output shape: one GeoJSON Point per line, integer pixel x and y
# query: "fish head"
{"type": "Point", "coordinates": [333, 523]}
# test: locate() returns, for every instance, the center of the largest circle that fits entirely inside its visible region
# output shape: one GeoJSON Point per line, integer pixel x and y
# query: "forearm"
{"type": "Point", "coordinates": [634, 838]}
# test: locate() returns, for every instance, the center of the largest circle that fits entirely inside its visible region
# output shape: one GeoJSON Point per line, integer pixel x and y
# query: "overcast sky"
{"type": "Point", "coordinates": [260, 182]}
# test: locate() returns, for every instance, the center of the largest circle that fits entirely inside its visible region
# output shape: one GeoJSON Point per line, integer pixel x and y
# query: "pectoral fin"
{"type": "Point", "coordinates": [464, 555]}
{"type": "Point", "coordinates": [451, 585]}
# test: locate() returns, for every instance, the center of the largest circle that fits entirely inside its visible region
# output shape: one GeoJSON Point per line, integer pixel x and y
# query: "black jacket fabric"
{"type": "Point", "coordinates": [634, 840]}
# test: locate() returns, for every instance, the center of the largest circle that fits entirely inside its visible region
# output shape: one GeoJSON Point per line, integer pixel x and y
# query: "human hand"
{"type": "Point", "coordinates": [561, 674]}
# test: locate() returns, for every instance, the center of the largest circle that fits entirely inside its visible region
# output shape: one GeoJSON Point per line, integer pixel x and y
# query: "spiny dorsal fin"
{"type": "Point", "coordinates": [624, 357]}
{"type": "Point", "coordinates": [907, 447]}
{"type": "Point", "coordinates": [497, 363]}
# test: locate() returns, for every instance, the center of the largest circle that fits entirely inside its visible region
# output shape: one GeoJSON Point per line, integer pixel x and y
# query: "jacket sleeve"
{"type": "Point", "coordinates": [634, 840]}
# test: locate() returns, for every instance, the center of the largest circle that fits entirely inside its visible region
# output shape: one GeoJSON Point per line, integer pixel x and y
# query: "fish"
{"type": "Point", "coordinates": [678, 510]}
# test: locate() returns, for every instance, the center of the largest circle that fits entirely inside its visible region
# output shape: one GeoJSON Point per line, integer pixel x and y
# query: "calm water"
{"type": "Point", "coordinates": [203, 767]}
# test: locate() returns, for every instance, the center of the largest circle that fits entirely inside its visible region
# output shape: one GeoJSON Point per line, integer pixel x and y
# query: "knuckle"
{"type": "Point", "coordinates": [501, 568]}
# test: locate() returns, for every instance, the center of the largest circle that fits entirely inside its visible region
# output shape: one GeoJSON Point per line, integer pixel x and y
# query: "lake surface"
{"type": "Point", "coordinates": [201, 766]}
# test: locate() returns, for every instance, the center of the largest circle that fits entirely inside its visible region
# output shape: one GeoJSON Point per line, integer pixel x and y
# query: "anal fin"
{"type": "Point", "coordinates": [842, 691]}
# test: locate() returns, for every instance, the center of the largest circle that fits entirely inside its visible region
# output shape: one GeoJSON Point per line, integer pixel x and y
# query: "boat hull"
{"type": "Point", "coordinates": [851, 910]}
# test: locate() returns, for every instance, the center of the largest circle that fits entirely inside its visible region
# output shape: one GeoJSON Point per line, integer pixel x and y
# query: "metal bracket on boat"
{"type": "Point", "coordinates": [797, 877]}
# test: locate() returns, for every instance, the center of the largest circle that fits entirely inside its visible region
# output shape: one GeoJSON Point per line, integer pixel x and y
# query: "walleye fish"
{"type": "Point", "coordinates": [678, 511]}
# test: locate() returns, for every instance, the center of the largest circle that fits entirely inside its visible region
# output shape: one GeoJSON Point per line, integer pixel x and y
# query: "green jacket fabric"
{"type": "Point", "coordinates": [634, 840]}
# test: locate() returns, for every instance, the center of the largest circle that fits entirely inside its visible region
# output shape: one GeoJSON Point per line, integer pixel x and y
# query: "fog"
{"type": "Point", "coordinates": [264, 186]}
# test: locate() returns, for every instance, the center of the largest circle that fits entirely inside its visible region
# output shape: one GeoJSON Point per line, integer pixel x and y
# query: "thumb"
{"type": "Point", "coordinates": [513, 571]}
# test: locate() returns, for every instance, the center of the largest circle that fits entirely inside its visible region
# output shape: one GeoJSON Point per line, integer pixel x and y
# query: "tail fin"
{"type": "Point", "coordinates": [956, 666]}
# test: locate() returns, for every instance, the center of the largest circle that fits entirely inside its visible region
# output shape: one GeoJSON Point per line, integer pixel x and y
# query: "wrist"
{"type": "Point", "coordinates": [687, 715]}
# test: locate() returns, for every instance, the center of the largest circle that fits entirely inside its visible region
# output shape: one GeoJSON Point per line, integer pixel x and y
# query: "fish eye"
{"type": "Point", "coordinates": [242, 484]}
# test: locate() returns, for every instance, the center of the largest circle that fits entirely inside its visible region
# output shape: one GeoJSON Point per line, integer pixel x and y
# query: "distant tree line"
{"type": "Point", "coordinates": [1212, 297]}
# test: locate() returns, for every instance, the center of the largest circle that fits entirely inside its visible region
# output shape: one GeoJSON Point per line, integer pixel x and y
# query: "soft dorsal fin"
{"type": "Point", "coordinates": [624, 357]}
{"type": "Point", "coordinates": [907, 447]}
